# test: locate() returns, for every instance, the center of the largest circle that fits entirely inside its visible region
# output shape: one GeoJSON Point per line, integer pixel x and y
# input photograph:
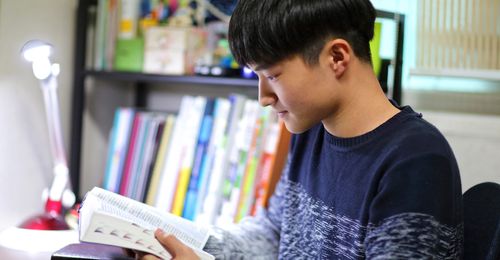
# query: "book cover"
{"type": "Point", "coordinates": [267, 158]}
{"type": "Point", "coordinates": [160, 160]}
{"type": "Point", "coordinates": [213, 200]}
{"type": "Point", "coordinates": [155, 129]}
{"type": "Point", "coordinates": [200, 152]}
{"type": "Point", "coordinates": [101, 32]}
{"type": "Point", "coordinates": [111, 33]}
{"type": "Point", "coordinates": [221, 114]}
{"type": "Point", "coordinates": [112, 219]}
{"type": "Point", "coordinates": [129, 55]}
{"type": "Point", "coordinates": [238, 162]}
{"type": "Point", "coordinates": [280, 157]}
{"type": "Point", "coordinates": [191, 133]}
{"type": "Point", "coordinates": [117, 151]}
{"type": "Point", "coordinates": [129, 17]}
{"type": "Point", "coordinates": [170, 173]}
{"type": "Point", "coordinates": [139, 152]}
{"type": "Point", "coordinates": [253, 158]}
{"type": "Point", "coordinates": [131, 151]}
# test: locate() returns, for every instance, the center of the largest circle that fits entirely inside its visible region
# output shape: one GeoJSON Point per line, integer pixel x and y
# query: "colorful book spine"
{"type": "Point", "coordinates": [138, 159]}
{"type": "Point", "coordinates": [120, 135]}
{"type": "Point", "coordinates": [170, 173]}
{"type": "Point", "coordinates": [238, 163]}
{"type": "Point", "coordinates": [191, 136]}
{"type": "Point", "coordinates": [266, 161]}
{"type": "Point", "coordinates": [160, 160]}
{"type": "Point", "coordinates": [254, 153]}
{"type": "Point", "coordinates": [201, 150]}
{"type": "Point", "coordinates": [129, 16]}
{"type": "Point", "coordinates": [213, 200]}
{"type": "Point", "coordinates": [150, 149]}
{"type": "Point", "coordinates": [101, 33]}
{"type": "Point", "coordinates": [221, 114]}
{"type": "Point", "coordinates": [127, 170]}
{"type": "Point", "coordinates": [270, 177]}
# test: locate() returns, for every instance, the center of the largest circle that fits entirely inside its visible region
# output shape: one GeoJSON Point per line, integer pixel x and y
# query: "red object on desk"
{"type": "Point", "coordinates": [51, 219]}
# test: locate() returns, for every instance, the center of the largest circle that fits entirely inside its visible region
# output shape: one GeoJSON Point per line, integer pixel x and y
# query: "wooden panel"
{"type": "Point", "coordinates": [458, 34]}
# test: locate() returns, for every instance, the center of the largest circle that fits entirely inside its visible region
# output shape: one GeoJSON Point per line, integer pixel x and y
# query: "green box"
{"type": "Point", "coordinates": [129, 55]}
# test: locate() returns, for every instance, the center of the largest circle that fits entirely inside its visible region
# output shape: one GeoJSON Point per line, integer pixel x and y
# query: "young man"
{"type": "Point", "coordinates": [365, 177]}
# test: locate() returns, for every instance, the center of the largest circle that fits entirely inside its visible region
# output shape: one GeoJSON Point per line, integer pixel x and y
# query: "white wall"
{"type": "Point", "coordinates": [475, 140]}
{"type": "Point", "coordinates": [25, 161]}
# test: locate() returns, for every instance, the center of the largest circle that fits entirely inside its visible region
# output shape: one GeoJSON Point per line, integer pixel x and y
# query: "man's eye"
{"type": "Point", "coordinates": [272, 78]}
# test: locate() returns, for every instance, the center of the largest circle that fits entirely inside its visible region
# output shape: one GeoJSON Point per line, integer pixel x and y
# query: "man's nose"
{"type": "Point", "coordinates": [266, 96]}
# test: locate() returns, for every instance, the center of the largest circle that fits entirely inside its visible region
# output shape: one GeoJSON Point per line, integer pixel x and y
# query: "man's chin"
{"type": "Point", "coordinates": [295, 129]}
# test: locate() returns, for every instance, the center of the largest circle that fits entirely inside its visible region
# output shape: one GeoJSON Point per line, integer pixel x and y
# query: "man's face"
{"type": "Point", "coordinates": [301, 94]}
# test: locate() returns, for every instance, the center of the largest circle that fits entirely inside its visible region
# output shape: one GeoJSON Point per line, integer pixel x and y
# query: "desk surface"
{"type": "Point", "coordinates": [12, 254]}
{"type": "Point", "coordinates": [90, 251]}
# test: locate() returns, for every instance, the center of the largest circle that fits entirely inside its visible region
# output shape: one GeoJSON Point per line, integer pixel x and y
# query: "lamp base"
{"type": "Point", "coordinates": [34, 241]}
{"type": "Point", "coordinates": [45, 221]}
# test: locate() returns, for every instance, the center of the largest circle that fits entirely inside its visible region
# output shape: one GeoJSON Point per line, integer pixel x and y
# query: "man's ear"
{"type": "Point", "coordinates": [339, 52]}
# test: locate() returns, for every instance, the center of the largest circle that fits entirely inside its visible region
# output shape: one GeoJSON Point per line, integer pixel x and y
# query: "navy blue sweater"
{"type": "Point", "coordinates": [394, 192]}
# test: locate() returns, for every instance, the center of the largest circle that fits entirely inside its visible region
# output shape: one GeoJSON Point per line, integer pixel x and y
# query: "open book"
{"type": "Point", "coordinates": [112, 219]}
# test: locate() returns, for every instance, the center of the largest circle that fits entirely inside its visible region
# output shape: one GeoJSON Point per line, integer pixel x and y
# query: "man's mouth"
{"type": "Point", "coordinates": [282, 114]}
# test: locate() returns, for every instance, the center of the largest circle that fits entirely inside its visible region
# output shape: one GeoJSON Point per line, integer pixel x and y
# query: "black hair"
{"type": "Point", "coordinates": [265, 32]}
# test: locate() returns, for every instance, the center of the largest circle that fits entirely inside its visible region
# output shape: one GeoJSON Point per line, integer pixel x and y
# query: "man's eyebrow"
{"type": "Point", "coordinates": [261, 67]}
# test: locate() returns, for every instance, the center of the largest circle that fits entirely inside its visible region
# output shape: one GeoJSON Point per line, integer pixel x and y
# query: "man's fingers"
{"type": "Point", "coordinates": [173, 245]}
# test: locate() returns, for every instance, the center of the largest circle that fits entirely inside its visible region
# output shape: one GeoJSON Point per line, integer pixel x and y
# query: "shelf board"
{"type": "Point", "coordinates": [181, 79]}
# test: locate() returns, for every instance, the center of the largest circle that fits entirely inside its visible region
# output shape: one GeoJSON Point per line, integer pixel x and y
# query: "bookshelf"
{"type": "Point", "coordinates": [141, 82]}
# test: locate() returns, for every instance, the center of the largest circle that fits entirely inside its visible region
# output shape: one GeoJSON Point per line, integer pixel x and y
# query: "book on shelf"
{"type": "Point", "coordinates": [221, 114]}
{"type": "Point", "coordinates": [190, 137]}
{"type": "Point", "coordinates": [272, 160]}
{"type": "Point", "coordinates": [213, 162]}
{"type": "Point", "coordinates": [117, 151]}
{"type": "Point", "coordinates": [210, 208]}
{"type": "Point", "coordinates": [239, 154]}
{"type": "Point", "coordinates": [253, 159]}
{"type": "Point", "coordinates": [155, 125]}
{"type": "Point", "coordinates": [160, 160]}
{"type": "Point", "coordinates": [199, 156]}
{"type": "Point", "coordinates": [170, 172]}
{"type": "Point", "coordinates": [130, 159]}
{"type": "Point", "coordinates": [111, 219]}
{"type": "Point", "coordinates": [270, 178]}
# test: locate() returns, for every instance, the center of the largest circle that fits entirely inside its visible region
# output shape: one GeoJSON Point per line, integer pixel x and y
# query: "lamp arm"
{"type": "Point", "coordinates": [60, 170]}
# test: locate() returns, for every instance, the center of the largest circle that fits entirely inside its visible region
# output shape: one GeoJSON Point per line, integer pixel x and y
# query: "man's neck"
{"type": "Point", "coordinates": [364, 107]}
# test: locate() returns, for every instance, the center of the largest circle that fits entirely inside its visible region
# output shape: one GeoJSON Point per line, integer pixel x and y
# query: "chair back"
{"type": "Point", "coordinates": [482, 221]}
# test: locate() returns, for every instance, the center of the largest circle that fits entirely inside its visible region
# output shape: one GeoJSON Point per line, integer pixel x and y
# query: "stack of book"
{"type": "Point", "coordinates": [215, 161]}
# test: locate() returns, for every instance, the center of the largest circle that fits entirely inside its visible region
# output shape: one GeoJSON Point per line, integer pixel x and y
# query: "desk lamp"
{"type": "Point", "coordinates": [38, 52]}
{"type": "Point", "coordinates": [49, 228]}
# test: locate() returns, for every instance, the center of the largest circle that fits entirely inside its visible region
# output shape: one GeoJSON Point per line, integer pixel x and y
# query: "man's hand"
{"type": "Point", "coordinates": [175, 247]}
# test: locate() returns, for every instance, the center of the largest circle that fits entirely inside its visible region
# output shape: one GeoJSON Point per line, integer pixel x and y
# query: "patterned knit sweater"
{"type": "Point", "coordinates": [393, 193]}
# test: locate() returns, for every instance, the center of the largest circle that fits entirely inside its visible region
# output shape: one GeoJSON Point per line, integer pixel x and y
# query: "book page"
{"type": "Point", "coordinates": [145, 216]}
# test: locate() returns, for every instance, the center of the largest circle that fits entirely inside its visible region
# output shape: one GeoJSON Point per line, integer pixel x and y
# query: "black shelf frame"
{"type": "Point", "coordinates": [177, 79]}
{"type": "Point", "coordinates": [141, 80]}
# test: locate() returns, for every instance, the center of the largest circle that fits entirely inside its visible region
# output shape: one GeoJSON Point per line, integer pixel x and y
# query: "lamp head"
{"type": "Point", "coordinates": [38, 52]}
{"type": "Point", "coordinates": [35, 50]}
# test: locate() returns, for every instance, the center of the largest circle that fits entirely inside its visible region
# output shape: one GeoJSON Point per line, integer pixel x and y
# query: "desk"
{"type": "Point", "coordinates": [12, 254]}
{"type": "Point", "coordinates": [90, 251]}
{"type": "Point", "coordinates": [18, 243]}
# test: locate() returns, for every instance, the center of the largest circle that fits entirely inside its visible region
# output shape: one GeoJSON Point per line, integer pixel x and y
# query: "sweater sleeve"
{"type": "Point", "coordinates": [417, 212]}
{"type": "Point", "coordinates": [254, 237]}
